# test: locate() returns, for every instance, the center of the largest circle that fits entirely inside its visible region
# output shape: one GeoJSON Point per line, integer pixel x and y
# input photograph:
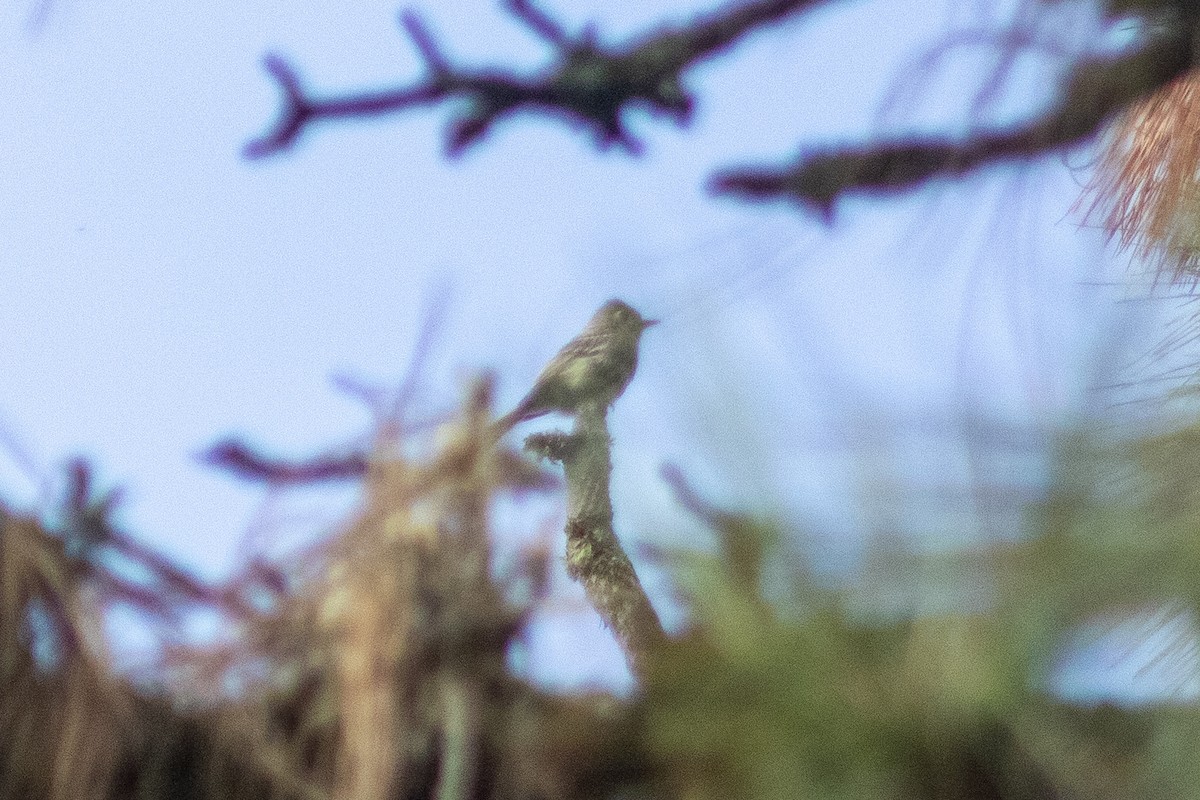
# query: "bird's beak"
{"type": "Point", "coordinates": [649, 323]}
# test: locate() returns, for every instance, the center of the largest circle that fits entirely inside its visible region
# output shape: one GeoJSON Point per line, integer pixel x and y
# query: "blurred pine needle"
{"type": "Point", "coordinates": [1147, 185]}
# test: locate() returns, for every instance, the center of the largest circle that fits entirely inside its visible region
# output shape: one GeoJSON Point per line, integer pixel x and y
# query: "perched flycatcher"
{"type": "Point", "coordinates": [594, 367]}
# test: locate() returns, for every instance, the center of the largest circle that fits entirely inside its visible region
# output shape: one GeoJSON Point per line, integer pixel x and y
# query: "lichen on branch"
{"type": "Point", "coordinates": [1093, 93]}
{"type": "Point", "coordinates": [595, 557]}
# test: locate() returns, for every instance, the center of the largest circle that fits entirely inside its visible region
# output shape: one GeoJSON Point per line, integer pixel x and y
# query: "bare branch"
{"type": "Point", "coordinates": [237, 457]}
{"type": "Point", "coordinates": [687, 497]}
{"type": "Point", "coordinates": [590, 85]}
{"type": "Point", "coordinates": [293, 115]}
{"type": "Point", "coordinates": [744, 543]}
{"type": "Point", "coordinates": [424, 42]}
{"type": "Point", "coordinates": [539, 22]}
{"type": "Point", "coordinates": [1095, 90]}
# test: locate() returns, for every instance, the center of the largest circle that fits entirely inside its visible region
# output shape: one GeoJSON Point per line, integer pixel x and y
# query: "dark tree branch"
{"type": "Point", "coordinates": [1094, 92]}
{"type": "Point", "coordinates": [423, 40]}
{"type": "Point", "coordinates": [245, 462]}
{"type": "Point", "coordinates": [539, 23]}
{"type": "Point", "coordinates": [590, 84]}
{"type": "Point", "coordinates": [299, 110]}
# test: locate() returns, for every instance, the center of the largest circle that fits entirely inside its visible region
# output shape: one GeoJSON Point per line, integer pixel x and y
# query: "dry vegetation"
{"type": "Point", "coordinates": [374, 666]}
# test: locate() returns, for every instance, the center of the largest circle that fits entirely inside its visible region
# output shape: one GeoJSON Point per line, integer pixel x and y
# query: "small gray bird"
{"type": "Point", "coordinates": [595, 366]}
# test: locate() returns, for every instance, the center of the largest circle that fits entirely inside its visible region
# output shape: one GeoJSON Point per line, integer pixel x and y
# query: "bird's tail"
{"type": "Point", "coordinates": [503, 425]}
{"type": "Point", "coordinates": [506, 423]}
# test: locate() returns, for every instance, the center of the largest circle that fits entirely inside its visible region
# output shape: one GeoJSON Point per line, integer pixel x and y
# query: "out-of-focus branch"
{"type": "Point", "coordinates": [85, 526]}
{"type": "Point", "coordinates": [590, 84]}
{"type": "Point", "coordinates": [240, 459]}
{"type": "Point", "coordinates": [1095, 90]}
{"type": "Point", "coordinates": [744, 543]}
{"type": "Point", "coordinates": [243, 461]}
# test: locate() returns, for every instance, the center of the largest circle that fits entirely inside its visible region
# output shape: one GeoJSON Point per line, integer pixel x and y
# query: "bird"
{"type": "Point", "coordinates": [594, 367]}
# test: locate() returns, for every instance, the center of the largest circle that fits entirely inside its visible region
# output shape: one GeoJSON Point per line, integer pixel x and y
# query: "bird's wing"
{"type": "Point", "coordinates": [581, 348]}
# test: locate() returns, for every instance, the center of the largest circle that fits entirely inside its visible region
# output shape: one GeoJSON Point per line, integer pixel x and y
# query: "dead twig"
{"type": "Point", "coordinates": [1095, 90]}
{"type": "Point", "coordinates": [590, 83]}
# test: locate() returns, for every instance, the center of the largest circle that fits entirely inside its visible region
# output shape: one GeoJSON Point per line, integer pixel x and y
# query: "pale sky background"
{"type": "Point", "coordinates": [159, 292]}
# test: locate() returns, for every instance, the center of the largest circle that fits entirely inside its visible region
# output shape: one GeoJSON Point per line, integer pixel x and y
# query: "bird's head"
{"type": "Point", "coordinates": [616, 315]}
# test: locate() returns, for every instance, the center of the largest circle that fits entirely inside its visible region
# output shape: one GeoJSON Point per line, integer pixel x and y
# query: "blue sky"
{"type": "Point", "coordinates": [160, 292]}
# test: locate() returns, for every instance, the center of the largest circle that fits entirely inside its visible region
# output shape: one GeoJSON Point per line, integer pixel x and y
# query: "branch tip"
{"type": "Point", "coordinates": [278, 68]}
{"type": "Point", "coordinates": [465, 131]}
{"type": "Point", "coordinates": [292, 116]}
{"type": "Point", "coordinates": [592, 83]}
{"type": "Point", "coordinates": [423, 40]}
{"type": "Point", "coordinates": [762, 186]}
{"type": "Point", "coordinates": [622, 138]}
{"type": "Point", "coordinates": [539, 22]}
